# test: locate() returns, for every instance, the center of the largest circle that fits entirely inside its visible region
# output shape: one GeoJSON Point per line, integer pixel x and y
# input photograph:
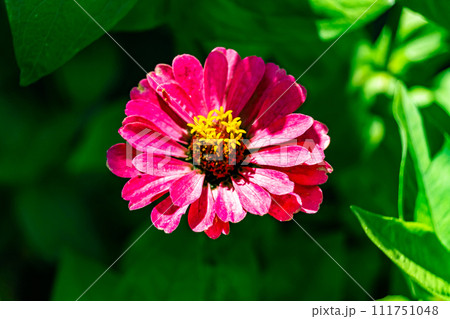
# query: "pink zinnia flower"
{"type": "Point", "coordinates": [220, 141]}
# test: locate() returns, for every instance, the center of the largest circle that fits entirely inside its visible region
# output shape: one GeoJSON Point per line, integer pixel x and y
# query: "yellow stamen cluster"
{"type": "Point", "coordinates": [214, 126]}
{"type": "Point", "coordinates": [216, 145]}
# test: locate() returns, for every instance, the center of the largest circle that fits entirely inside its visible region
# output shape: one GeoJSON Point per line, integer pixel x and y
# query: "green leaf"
{"type": "Point", "coordinates": [437, 188]}
{"type": "Point", "coordinates": [394, 298]}
{"type": "Point", "coordinates": [442, 91]}
{"type": "Point", "coordinates": [410, 123]}
{"type": "Point", "coordinates": [413, 138]}
{"type": "Point", "coordinates": [338, 15]}
{"type": "Point", "coordinates": [145, 15]}
{"type": "Point", "coordinates": [411, 246]}
{"type": "Point", "coordinates": [46, 34]}
{"type": "Point", "coordinates": [435, 10]}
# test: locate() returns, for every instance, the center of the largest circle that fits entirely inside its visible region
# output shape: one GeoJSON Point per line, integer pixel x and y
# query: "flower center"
{"type": "Point", "coordinates": [216, 145]}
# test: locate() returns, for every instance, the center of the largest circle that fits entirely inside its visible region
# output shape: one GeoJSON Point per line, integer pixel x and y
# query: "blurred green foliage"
{"type": "Point", "coordinates": [383, 90]}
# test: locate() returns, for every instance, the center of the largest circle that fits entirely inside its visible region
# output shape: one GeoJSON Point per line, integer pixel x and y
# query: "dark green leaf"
{"type": "Point", "coordinates": [413, 247]}
{"type": "Point", "coordinates": [48, 33]}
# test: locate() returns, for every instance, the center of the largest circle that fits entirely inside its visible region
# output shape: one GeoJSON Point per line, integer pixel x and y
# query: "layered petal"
{"type": "Point", "coordinates": [254, 198]}
{"type": "Point", "coordinates": [309, 175]}
{"type": "Point", "coordinates": [280, 156]}
{"type": "Point", "coordinates": [141, 190]}
{"type": "Point", "coordinates": [180, 102]}
{"type": "Point", "coordinates": [218, 228]}
{"type": "Point", "coordinates": [166, 216]}
{"type": "Point", "coordinates": [119, 160]}
{"type": "Point", "coordinates": [274, 181]}
{"type": "Point", "coordinates": [201, 214]}
{"type": "Point", "coordinates": [161, 165]}
{"type": "Point", "coordinates": [215, 79]}
{"type": "Point", "coordinates": [188, 72]}
{"type": "Point", "coordinates": [288, 127]}
{"type": "Point", "coordinates": [246, 77]}
{"type": "Point", "coordinates": [272, 75]}
{"type": "Point", "coordinates": [146, 139]}
{"type": "Point", "coordinates": [187, 189]}
{"type": "Point", "coordinates": [233, 60]}
{"type": "Point", "coordinates": [311, 197]}
{"type": "Point", "coordinates": [318, 133]}
{"type": "Point", "coordinates": [282, 99]}
{"type": "Point", "coordinates": [283, 207]}
{"type": "Point", "coordinates": [160, 118]}
{"type": "Point", "coordinates": [227, 205]}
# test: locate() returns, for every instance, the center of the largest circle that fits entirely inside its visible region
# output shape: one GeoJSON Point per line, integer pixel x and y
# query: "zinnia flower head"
{"type": "Point", "coordinates": [219, 141]}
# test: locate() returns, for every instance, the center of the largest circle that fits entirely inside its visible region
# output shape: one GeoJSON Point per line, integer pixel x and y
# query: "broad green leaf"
{"type": "Point", "coordinates": [46, 34]}
{"type": "Point", "coordinates": [435, 10]}
{"type": "Point", "coordinates": [145, 15]}
{"type": "Point", "coordinates": [437, 187]}
{"type": "Point", "coordinates": [337, 16]}
{"type": "Point", "coordinates": [413, 247]}
{"type": "Point", "coordinates": [77, 272]}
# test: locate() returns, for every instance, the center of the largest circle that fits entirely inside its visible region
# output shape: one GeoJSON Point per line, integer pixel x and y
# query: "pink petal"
{"type": "Point", "coordinates": [233, 60]}
{"type": "Point", "coordinates": [309, 175]}
{"type": "Point", "coordinates": [272, 75]}
{"type": "Point", "coordinates": [188, 73]}
{"type": "Point", "coordinates": [119, 163]}
{"type": "Point", "coordinates": [289, 127]}
{"type": "Point", "coordinates": [154, 114]}
{"type": "Point", "coordinates": [282, 99]}
{"type": "Point", "coordinates": [166, 216]}
{"type": "Point", "coordinates": [201, 214]}
{"type": "Point", "coordinates": [163, 73]}
{"type": "Point", "coordinates": [142, 92]}
{"type": "Point", "coordinates": [227, 205]}
{"type": "Point", "coordinates": [284, 207]}
{"type": "Point", "coordinates": [216, 70]}
{"type": "Point", "coordinates": [141, 190]}
{"type": "Point", "coordinates": [280, 156]}
{"type": "Point", "coordinates": [145, 139]}
{"type": "Point", "coordinates": [173, 95]}
{"type": "Point", "coordinates": [187, 189]}
{"type": "Point", "coordinates": [248, 73]}
{"type": "Point", "coordinates": [311, 197]}
{"type": "Point", "coordinates": [253, 198]}
{"type": "Point", "coordinates": [275, 182]}
{"type": "Point", "coordinates": [318, 134]}
{"type": "Point", "coordinates": [218, 228]}
{"type": "Point", "coordinates": [160, 165]}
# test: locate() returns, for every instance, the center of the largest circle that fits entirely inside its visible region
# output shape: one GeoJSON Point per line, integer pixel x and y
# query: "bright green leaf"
{"type": "Point", "coordinates": [437, 187]}
{"type": "Point", "coordinates": [413, 247]}
{"type": "Point", "coordinates": [442, 91]}
{"type": "Point", "coordinates": [435, 10]}
{"type": "Point", "coordinates": [46, 34]}
{"type": "Point", "coordinates": [410, 122]}
{"type": "Point", "coordinates": [341, 14]}
{"type": "Point", "coordinates": [394, 298]}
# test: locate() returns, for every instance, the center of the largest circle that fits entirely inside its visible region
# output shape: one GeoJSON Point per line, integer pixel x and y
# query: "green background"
{"type": "Point", "coordinates": [383, 90]}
